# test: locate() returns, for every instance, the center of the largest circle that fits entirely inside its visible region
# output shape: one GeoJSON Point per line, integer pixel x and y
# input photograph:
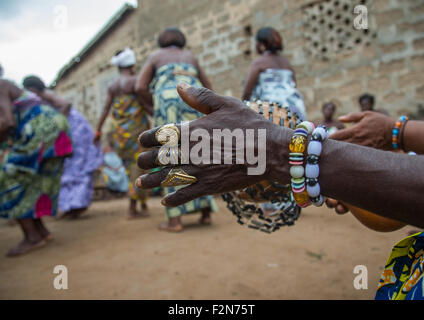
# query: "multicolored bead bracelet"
{"type": "Point", "coordinates": [396, 130]}
{"type": "Point", "coordinates": [296, 160]}
{"type": "Point", "coordinates": [312, 165]}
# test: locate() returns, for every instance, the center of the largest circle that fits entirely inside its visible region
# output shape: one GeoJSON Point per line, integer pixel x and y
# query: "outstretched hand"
{"type": "Point", "coordinates": [371, 129]}
{"type": "Point", "coordinates": [216, 175]}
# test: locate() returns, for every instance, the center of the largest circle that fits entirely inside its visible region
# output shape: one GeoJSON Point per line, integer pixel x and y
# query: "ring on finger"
{"type": "Point", "coordinates": [168, 134]}
{"type": "Point", "coordinates": [177, 177]}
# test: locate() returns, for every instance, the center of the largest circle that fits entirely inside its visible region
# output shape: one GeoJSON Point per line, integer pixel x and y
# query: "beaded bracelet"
{"type": "Point", "coordinates": [312, 165]}
{"type": "Point", "coordinates": [296, 160]}
{"type": "Point", "coordinates": [395, 132]}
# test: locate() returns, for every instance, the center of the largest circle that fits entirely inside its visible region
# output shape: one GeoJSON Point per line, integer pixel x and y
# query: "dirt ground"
{"type": "Point", "coordinates": [110, 257]}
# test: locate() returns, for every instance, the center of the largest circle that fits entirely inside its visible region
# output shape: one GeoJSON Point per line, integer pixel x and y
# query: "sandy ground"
{"type": "Point", "coordinates": [110, 257]}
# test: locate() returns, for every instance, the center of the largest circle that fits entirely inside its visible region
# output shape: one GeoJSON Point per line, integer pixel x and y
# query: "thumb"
{"type": "Point", "coordinates": [201, 99]}
{"type": "Point", "coordinates": [352, 117]}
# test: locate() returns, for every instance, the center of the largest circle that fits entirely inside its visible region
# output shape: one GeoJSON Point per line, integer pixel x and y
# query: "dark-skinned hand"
{"type": "Point", "coordinates": [220, 113]}
{"type": "Point", "coordinates": [370, 129]}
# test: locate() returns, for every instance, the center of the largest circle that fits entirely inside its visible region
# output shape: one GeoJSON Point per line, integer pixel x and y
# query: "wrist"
{"type": "Point", "coordinates": [396, 132]}
{"type": "Point", "coordinates": [278, 155]}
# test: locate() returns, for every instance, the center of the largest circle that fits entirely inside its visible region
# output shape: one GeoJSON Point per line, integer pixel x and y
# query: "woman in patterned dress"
{"type": "Point", "coordinates": [30, 175]}
{"type": "Point", "coordinates": [77, 182]}
{"type": "Point", "coordinates": [130, 119]}
{"type": "Point", "coordinates": [163, 70]}
{"type": "Point", "coordinates": [271, 77]}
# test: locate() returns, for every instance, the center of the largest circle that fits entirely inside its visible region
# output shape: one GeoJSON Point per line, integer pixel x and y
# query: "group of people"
{"type": "Point", "coordinates": [133, 102]}
{"type": "Point", "coordinates": [52, 148]}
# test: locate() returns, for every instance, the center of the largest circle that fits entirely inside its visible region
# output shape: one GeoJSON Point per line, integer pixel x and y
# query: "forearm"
{"type": "Point", "coordinates": [145, 99]}
{"type": "Point", "coordinates": [102, 119]}
{"type": "Point", "coordinates": [382, 182]}
{"type": "Point", "coordinates": [66, 109]}
{"type": "Point", "coordinates": [413, 137]}
{"type": "Point", "coordinates": [386, 183]}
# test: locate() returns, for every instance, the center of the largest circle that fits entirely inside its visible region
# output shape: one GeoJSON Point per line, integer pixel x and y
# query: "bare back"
{"type": "Point", "coordinates": [124, 84]}
{"type": "Point", "coordinates": [172, 55]}
{"type": "Point", "coordinates": [165, 56]}
{"type": "Point", "coordinates": [271, 61]}
{"type": "Point", "coordinates": [266, 61]}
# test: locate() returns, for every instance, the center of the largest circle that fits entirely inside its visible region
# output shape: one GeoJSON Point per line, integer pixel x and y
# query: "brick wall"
{"type": "Point", "coordinates": [387, 61]}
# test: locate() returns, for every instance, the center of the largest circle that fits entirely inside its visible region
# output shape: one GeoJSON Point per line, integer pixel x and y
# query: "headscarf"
{"type": "Point", "coordinates": [124, 59]}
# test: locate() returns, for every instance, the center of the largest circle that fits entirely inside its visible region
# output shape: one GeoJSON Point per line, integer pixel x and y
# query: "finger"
{"type": "Point", "coordinates": [160, 156]}
{"type": "Point", "coordinates": [154, 179]}
{"type": "Point", "coordinates": [341, 209]}
{"type": "Point", "coordinates": [201, 99]}
{"type": "Point", "coordinates": [147, 139]}
{"type": "Point", "coordinates": [331, 203]}
{"type": "Point", "coordinates": [147, 159]}
{"type": "Point", "coordinates": [352, 117]}
{"type": "Point", "coordinates": [343, 135]}
{"type": "Point", "coordinates": [183, 195]}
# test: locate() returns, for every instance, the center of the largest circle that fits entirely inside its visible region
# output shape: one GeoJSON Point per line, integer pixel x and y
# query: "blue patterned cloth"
{"type": "Point", "coordinates": [277, 85]}
{"type": "Point", "coordinates": [30, 174]}
{"type": "Point", "coordinates": [170, 108]}
{"type": "Point", "coordinates": [403, 275]}
{"type": "Point", "coordinates": [114, 173]}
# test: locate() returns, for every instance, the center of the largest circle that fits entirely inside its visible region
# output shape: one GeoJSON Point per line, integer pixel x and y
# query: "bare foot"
{"type": "Point", "coordinates": [166, 226]}
{"type": "Point", "coordinates": [12, 222]}
{"type": "Point", "coordinates": [25, 246]}
{"type": "Point", "coordinates": [138, 215]}
{"type": "Point", "coordinates": [205, 221]}
{"type": "Point", "coordinates": [73, 214]}
{"type": "Point", "coordinates": [49, 237]}
{"type": "Point", "coordinates": [206, 217]}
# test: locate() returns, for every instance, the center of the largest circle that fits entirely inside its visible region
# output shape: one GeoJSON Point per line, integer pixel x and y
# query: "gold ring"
{"type": "Point", "coordinates": [168, 134]}
{"type": "Point", "coordinates": [177, 177]}
{"type": "Point", "coordinates": [170, 156]}
{"type": "Point", "coordinates": [167, 156]}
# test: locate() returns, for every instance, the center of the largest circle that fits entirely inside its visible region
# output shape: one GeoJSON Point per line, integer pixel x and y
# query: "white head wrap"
{"type": "Point", "coordinates": [124, 59]}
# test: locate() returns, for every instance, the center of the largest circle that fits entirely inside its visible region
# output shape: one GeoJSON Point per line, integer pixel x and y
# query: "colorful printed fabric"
{"type": "Point", "coordinates": [30, 174]}
{"type": "Point", "coordinates": [170, 108]}
{"type": "Point", "coordinates": [76, 190]}
{"type": "Point", "coordinates": [130, 120]}
{"type": "Point", "coordinates": [403, 275]}
{"type": "Point", "coordinates": [277, 85]}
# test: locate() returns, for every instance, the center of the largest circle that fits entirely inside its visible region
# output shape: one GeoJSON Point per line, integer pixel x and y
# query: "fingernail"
{"type": "Point", "coordinates": [163, 202]}
{"type": "Point", "coordinates": [184, 85]}
{"type": "Point", "coordinates": [138, 182]}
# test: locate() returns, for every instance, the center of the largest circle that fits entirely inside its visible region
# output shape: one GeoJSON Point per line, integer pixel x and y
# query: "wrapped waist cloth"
{"type": "Point", "coordinates": [30, 174]}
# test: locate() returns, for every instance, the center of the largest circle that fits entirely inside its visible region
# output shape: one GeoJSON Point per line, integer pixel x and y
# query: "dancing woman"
{"type": "Point", "coordinates": [129, 119]}
{"type": "Point", "coordinates": [161, 73]}
{"type": "Point", "coordinates": [30, 175]}
{"type": "Point", "coordinates": [271, 77]}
